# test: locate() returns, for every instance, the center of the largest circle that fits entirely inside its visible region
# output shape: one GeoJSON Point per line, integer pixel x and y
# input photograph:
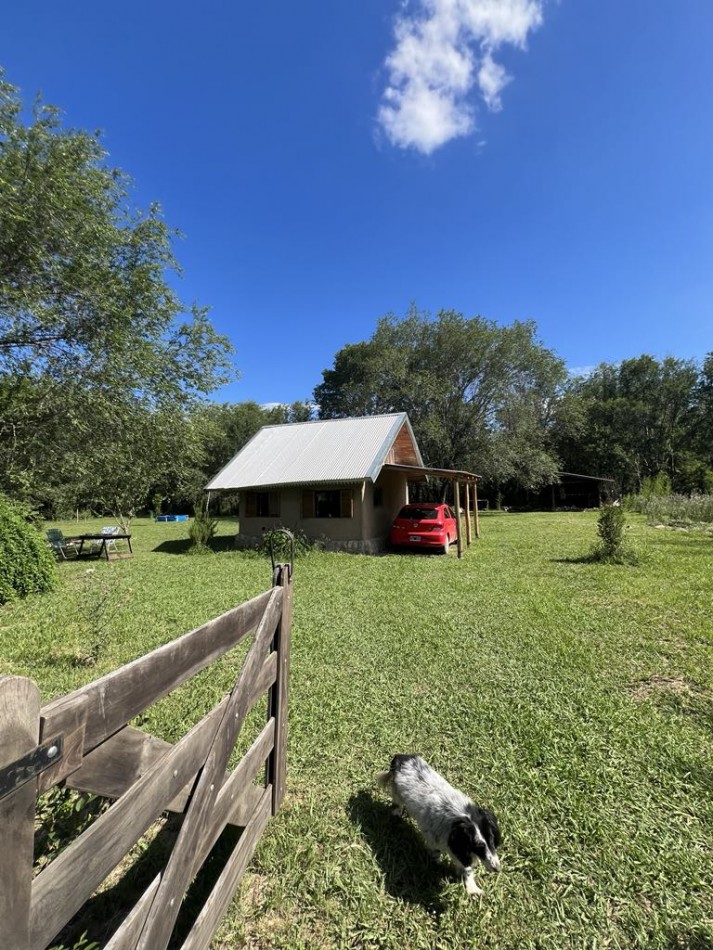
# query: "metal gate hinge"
{"type": "Point", "coordinates": [23, 770]}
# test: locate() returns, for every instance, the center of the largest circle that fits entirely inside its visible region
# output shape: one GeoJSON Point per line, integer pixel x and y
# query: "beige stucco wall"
{"type": "Point", "coordinates": [366, 531]}
{"type": "Point", "coordinates": [377, 521]}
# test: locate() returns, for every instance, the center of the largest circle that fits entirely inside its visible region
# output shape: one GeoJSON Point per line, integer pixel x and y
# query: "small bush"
{"type": "Point", "coordinates": [281, 545]}
{"type": "Point", "coordinates": [612, 547]}
{"type": "Point", "coordinates": [202, 531]}
{"type": "Point", "coordinates": [27, 565]}
{"type": "Point", "coordinates": [610, 528]}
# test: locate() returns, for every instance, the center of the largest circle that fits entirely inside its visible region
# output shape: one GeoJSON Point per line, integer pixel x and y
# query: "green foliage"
{"type": "Point", "coordinates": [656, 486]}
{"type": "Point", "coordinates": [202, 531]}
{"type": "Point", "coordinates": [478, 394]}
{"type": "Point", "coordinates": [636, 421]}
{"type": "Point", "coordinates": [99, 358]}
{"type": "Point", "coordinates": [610, 528]}
{"type": "Point", "coordinates": [27, 565]}
{"type": "Point", "coordinates": [673, 508]}
{"type": "Point", "coordinates": [285, 546]}
{"type": "Point", "coordinates": [613, 547]}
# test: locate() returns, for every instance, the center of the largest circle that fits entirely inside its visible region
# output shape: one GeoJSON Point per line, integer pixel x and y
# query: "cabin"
{"type": "Point", "coordinates": [340, 481]}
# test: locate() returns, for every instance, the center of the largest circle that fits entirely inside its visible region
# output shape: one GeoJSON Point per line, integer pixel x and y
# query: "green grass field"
{"type": "Point", "coordinates": [574, 698]}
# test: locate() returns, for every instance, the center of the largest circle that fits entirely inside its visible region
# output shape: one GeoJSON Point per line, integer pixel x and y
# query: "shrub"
{"type": "Point", "coordinates": [280, 544]}
{"type": "Point", "coordinates": [612, 548]}
{"type": "Point", "coordinates": [610, 528]}
{"type": "Point", "coordinates": [27, 565]}
{"type": "Point", "coordinates": [202, 531]}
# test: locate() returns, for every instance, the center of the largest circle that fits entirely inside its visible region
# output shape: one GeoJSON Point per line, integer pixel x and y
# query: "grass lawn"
{"type": "Point", "coordinates": [574, 698]}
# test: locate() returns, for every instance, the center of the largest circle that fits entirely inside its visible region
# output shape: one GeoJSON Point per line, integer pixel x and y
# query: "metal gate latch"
{"type": "Point", "coordinates": [29, 766]}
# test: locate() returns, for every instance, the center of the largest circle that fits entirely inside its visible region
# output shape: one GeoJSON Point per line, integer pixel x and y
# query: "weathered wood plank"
{"type": "Point", "coordinates": [115, 765]}
{"type": "Point", "coordinates": [277, 704]}
{"type": "Point", "coordinates": [163, 913]}
{"type": "Point", "coordinates": [235, 805]}
{"type": "Point", "coordinates": [214, 908]}
{"type": "Point", "coordinates": [119, 696]}
{"type": "Point", "coordinates": [19, 729]}
{"type": "Point", "coordinates": [70, 720]}
{"type": "Point", "coordinates": [128, 933]}
{"type": "Point", "coordinates": [63, 887]}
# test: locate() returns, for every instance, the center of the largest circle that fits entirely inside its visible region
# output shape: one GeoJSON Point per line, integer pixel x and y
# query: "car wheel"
{"type": "Point", "coordinates": [446, 545]}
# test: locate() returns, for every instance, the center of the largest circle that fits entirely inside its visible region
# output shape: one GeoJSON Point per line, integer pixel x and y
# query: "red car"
{"type": "Point", "coordinates": [424, 525]}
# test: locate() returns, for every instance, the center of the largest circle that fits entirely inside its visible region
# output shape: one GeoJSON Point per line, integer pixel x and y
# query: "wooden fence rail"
{"type": "Point", "coordinates": [83, 740]}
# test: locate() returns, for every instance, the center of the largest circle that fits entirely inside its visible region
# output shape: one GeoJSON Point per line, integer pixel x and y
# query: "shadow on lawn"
{"type": "Point", "coordinates": [183, 545]}
{"type": "Point", "coordinates": [105, 911]}
{"type": "Point", "coordinates": [410, 872]}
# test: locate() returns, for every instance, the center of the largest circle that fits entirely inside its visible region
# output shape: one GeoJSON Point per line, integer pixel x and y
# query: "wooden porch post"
{"type": "Point", "coordinates": [475, 508]}
{"type": "Point", "coordinates": [467, 513]}
{"type": "Point", "coordinates": [456, 493]}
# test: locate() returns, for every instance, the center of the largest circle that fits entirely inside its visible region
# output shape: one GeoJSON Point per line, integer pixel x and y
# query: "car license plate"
{"type": "Point", "coordinates": [414, 537]}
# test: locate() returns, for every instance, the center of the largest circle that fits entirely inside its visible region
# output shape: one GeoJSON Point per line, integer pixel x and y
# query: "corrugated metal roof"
{"type": "Point", "coordinates": [329, 450]}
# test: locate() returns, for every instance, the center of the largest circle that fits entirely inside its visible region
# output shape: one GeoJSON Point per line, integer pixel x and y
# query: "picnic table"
{"type": "Point", "coordinates": [105, 540]}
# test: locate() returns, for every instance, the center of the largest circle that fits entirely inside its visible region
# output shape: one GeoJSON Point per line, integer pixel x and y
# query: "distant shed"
{"type": "Point", "coordinates": [569, 491]}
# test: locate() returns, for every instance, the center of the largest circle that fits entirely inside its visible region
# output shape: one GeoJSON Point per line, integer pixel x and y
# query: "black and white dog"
{"type": "Point", "coordinates": [448, 819]}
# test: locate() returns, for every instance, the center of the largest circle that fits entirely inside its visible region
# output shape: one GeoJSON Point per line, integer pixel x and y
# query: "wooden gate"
{"type": "Point", "coordinates": [84, 741]}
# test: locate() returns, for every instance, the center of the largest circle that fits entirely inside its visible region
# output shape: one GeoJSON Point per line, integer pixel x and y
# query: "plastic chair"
{"type": "Point", "coordinates": [108, 531]}
{"type": "Point", "coordinates": [60, 545]}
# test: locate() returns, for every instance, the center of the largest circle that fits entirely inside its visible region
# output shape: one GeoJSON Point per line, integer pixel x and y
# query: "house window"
{"type": "Point", "coordinates": [328, 503]}
{"type": "Point", "coordinates": [378, 497]}
{"type": "Point", "coordinates": [262, 504]}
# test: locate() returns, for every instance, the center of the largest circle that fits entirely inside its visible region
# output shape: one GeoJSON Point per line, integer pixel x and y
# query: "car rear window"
{"type": "Point", "coordinates": [418, 514]}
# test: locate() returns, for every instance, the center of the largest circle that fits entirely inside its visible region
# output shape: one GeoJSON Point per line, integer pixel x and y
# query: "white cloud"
{"type": "Point", "coordinates": [444, 48]}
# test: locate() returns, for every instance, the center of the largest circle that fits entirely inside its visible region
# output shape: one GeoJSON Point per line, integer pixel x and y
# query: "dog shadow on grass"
{"type": "Point", "coordinates": [410, 872]}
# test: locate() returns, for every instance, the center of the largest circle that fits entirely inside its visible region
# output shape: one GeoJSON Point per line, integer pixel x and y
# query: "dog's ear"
{"type": "Point", "coordinates": [462, 841]}
{"type": "Point", "coordinates": [489, 828]}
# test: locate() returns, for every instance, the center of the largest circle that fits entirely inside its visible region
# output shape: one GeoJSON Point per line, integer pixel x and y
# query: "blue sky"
{"type": "Point", "coordinates": [332, 162]}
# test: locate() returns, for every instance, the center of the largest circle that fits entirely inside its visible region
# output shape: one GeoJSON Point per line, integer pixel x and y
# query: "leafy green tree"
{"type": "Point", "coordinates": [91, 330]}
{"type": "Point", "coordinates": [630, 421]}
{"type": "Point", "coordinates": [478, 394]}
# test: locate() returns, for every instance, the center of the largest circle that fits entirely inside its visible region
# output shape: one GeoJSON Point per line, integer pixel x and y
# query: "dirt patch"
{"type": "Point", "coordinates": [666, 685]}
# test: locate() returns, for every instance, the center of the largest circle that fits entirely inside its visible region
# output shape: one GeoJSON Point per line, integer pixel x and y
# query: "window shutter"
{"type": "Point", "coordinates": [251, 504]}
{"type": "Point", "coordinates": [346, 509]}
{"type": "Point", "coordinates": [274, 504]}
{"type": "Point", "coordinates": [308, 504]}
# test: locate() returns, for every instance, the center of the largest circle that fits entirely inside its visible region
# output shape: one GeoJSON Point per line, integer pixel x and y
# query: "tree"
{"type": "Point", "coordinates": [634, 420]}
{"type": "Point", "coordinates": [478, 394]}
{"type": "Point", "coordinates": [90, 327]}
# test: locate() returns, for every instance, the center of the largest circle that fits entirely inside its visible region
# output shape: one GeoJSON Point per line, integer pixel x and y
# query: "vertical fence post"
{"type": "Point", "coordinates": [19, 735]}
{"type": "Point", "coordinates": [277, 700]}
